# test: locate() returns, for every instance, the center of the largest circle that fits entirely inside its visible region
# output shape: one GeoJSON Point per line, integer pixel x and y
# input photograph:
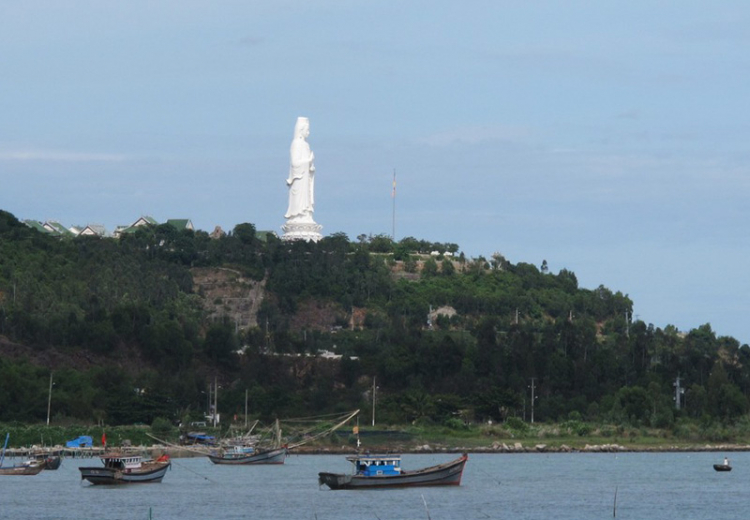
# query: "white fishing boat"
{"type": "Point", "coordinates": [126, 469]}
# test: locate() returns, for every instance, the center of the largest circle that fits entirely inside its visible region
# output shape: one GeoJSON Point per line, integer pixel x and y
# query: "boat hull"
{"type": "Point", "coordinates": [152, 473]}
{"type": "Point", "coordinates": [52, 462]}
{"type": "Point", "coordinates": [448, 474]}
{"type": "Point", "coordinates": [722, 467]}
{"type": "Point", "coordinates": [32, 469]}
{"type": "Point", "coordinates": [263, 457]}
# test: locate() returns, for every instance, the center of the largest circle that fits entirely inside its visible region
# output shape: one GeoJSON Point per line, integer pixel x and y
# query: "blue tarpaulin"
{"type": "Point", "coordinates": [84, 441]}
{"type": "Point", "coordinates": [200, 438]}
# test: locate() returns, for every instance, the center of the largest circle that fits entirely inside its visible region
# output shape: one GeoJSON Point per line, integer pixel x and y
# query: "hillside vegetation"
{"type": "Point", "coordinates": [133, 330]}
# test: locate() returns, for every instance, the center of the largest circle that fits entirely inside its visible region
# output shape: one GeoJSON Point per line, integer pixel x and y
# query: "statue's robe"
{"type": "Point", "coordinates": [301, 180]}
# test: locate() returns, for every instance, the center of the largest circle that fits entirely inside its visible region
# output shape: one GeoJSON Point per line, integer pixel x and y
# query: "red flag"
{"type": "Point", "coordinates": [104, 439]}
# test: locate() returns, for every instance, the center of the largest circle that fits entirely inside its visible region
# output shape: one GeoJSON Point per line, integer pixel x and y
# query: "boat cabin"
{"type": "Point", "coordinates": [241, 450]}
{"type": "Point", "coordinates": [375, 465]}
{"type": "Point", "coordinates": [122, 463]}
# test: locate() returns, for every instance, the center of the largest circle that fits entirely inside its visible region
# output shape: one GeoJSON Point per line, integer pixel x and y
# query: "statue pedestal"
{"type": "Point", "coordinates": [309, 231]}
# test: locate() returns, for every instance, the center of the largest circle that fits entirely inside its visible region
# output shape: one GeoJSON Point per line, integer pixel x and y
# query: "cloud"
{"type": "Point", "coordinates": [250, 41]}
{"type": "Point", "coordinates": [473, 135]}
{"type": "Point", "coordinates": [633, 114]}
{"type": "Point", "coordinates": [58, 156]}
{"type": "Point", "coordinates": [728, 27]}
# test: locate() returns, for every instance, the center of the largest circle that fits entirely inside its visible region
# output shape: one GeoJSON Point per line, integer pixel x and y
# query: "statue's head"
{"type": "Point", "coordinates": [302, 128]}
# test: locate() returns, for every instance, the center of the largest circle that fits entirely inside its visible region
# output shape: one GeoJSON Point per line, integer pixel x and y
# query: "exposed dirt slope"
{"type": "Point", "coordinates": [226, 293]}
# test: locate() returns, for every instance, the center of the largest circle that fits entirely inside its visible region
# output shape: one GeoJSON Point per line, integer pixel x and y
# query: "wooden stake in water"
{"type": "Point", "coordinates": [614, 508]}
{"type": "Point", "coordinates": [426, 509]}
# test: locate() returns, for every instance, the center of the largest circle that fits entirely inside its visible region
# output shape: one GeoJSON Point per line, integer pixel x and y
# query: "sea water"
{"type": "Point", "coordinates": [575, 486]}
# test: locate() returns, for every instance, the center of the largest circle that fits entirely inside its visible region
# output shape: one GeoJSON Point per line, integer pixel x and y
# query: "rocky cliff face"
{"type": "Point", "coordinates": [226, 293]}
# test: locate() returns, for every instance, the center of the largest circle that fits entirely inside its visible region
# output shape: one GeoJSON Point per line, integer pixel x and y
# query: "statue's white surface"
{"type": "Point", "coordinates": [301, 182]}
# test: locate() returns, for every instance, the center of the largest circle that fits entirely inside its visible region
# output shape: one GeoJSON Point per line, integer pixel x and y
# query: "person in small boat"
{"type": "Point", "coordinates": [726, 461]}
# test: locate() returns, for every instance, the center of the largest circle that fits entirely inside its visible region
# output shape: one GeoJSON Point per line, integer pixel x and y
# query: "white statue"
{"type": "Point", "coordinates": [301, 180]}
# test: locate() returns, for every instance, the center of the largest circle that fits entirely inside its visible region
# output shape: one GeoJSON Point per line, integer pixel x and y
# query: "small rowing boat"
{"type": "Point", "coordinates": [30, 467]}
{"type": "Point", "coordinates": [27, 467]}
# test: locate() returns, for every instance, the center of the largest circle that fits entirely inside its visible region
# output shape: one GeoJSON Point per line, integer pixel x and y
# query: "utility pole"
{"type": "Point", "coordinates": [627, 324]}
{"type": "Point", "coordinates": [678, 391]}
{"type": "Point", "coordinates": [373, 400]}
{"type": "Point", "coordinates": [533, 387]}
{"type": "Point", "coordinates": [393, 196]}
{"type": "Point", "coordinates": [245, 408]}
{"type": "Point", "coordinates": [49, 397]}
{"type": "Point", "coordinates": [268, 338]}
{"type": "Point", "coordinates": [210, 400]}
{"type": "Point", "coordinates": [216, 400]}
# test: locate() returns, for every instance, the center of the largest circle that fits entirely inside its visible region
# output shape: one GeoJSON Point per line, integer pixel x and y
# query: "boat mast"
{"type": "Point", "coordinates": [2, 457]}
{"type": "Point", "coordinates": [329, 430]}
{"type": "Point", "coordinates": [356, 430]}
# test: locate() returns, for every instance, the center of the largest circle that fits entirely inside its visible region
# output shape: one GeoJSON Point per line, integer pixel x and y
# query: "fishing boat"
{"type": "Point", "coordinates": [249, 455]}
{"type": "Point", "coordinates": [244, 451]}
{"type": "Point", "coordinates": [126, 469]}
{"type": "Point", "coordinates": [384, 471]}
{"type": "Point", "coordinates": [49, 461]}
{"type": "Point", "coordinates": [27, 467]}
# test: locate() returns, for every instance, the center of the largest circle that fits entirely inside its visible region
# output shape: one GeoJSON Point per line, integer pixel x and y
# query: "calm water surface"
{"type": "Point", "coordinates": [655, 486]}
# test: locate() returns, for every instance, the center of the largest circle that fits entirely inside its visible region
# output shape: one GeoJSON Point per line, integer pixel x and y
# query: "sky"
{"type": "Point", "coordinates": [611, 139]}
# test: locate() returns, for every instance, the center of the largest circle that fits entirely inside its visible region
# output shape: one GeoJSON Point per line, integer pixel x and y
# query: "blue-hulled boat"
{"type": "Point", "coordinates": [384, 471]}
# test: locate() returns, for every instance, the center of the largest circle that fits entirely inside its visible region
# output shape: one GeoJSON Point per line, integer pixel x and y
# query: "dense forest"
{"type": "Point", "coordinates": [119, 328]}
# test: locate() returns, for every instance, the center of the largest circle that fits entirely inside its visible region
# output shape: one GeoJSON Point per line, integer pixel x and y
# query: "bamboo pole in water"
{"type": "Point", "coordinates": [614, 508]}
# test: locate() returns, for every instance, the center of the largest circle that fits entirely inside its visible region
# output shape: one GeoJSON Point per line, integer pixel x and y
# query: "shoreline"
{"type": "Point", "coordinates": [157, 450]}
{"type": "Point", "coordinates": [519, 448]}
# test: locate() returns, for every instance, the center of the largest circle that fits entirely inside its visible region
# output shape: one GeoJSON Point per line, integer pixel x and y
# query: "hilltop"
{"type": "Point", "coordinates": [139, 328]}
